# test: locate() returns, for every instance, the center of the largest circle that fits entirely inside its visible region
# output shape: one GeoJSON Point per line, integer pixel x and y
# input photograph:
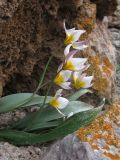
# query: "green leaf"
{"type": "Point", "coordinates": [20, 100]}
{"type": "Point", "coordinates": [49, 114]}
{"type": "Point", "coordinates": [78, 94]}
{"type": "Point", "coordinates": [44, 125]}
{"type": "Point", "coordinates": [69, 126]}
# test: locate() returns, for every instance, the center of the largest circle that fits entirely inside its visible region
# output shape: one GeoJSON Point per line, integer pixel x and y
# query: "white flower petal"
{"type": "Point", "coordinates": [77, 34]}
{"type": "Point", "coordinates": [66, 74]}
{"type": "Point", "coordinates": [67, 49]}
{"type": "Point", "coordinates": [77, 74]}
{"type": "Point", "coordinates": [63, 102]}
{"type": "Point", "coordinates": [78, 63]}
{"type": "Point", "coordinates": [60, 67]}
{"type": "Point", "coordinates": [88, 81]}
{"type": "Point", "coordinates": [70, 55]}
{"type": "Point", "coordinates": [66, 85]}
{"type": "Point", "coordinates": [79, 45]}
{"type": "Point", "coordinates": [68, 31]}
{"type": "Point", "coordinates": [62, 77]}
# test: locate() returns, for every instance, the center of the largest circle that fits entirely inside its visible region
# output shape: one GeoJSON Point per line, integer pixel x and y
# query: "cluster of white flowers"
{"type": "Point", "coordinates": [71, 71]}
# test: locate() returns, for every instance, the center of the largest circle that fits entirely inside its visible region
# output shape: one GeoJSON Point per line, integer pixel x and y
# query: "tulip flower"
{"type": "Point", "coordinates": [72, 35]}
{"type": "Point", "coordinates": [74, 64]}
{"type": "Point", "coordinates": [57, 101]}
{"type": "Point", "coordinates": [78, 46]}
{"type": "Point", "coordinates": [81, 80]}
{"type": "Point", "coordinates": [62, 79]}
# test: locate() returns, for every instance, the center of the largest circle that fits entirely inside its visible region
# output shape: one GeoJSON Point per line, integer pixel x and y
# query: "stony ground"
{"type": "Point", "coordinates": [11, 152]}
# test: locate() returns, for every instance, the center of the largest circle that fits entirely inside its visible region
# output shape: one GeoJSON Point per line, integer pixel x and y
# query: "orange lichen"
{"type": "Point", "coordinates": [97, 136]}
{"type": "Point", "coordinates": [103, 129]}
{"type": "Point", "coordinates": [112, 156]}
{"type": "Point", "coordinates": [101, 67]}
{"type": "Point", "coordinates": [95, 147]}
{"type": "Point", "coordinates": [87, 20]}
{"type": "Point", "coordinates": [86, 23]}
{"type": "Point", "coordinates": [82, 134]}
{"type": "Point", "coordinates": [106, 147]}
{"type": "Point", "coordinates": [103, 71]}
{"type": "Point", "coordinates": [107, 126]}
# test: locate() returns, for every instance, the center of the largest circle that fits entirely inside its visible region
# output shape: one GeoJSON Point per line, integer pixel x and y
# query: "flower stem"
{"type": "Point", "coordinates": [50, 86]}
{"type": "Point", "coordinates": [43, 75]}
{"type": "Point", "coordinates": [40, 82]}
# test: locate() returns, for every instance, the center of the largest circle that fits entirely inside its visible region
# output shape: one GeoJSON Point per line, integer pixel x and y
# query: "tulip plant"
{"type": "Point", "coordinates": [56, 116]}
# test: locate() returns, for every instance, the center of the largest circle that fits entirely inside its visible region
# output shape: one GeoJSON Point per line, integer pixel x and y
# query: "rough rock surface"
{"type": "Point", "coordinates": [102, 47]}
{"type": "Point", "coordinates": [8, 8]}
{"type": "Point", "coordinates": [70, 148]}
{"type": "Point", "coordinates": [10, 152]}
{"type": "Point", "coordinates": [114, 28]}
{"type": "Point", "coordinates": [32, 30]}
{"type": "Point", "coordinates": [100, 140]}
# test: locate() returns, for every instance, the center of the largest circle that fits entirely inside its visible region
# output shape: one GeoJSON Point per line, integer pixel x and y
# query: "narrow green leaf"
{"type": "Point", "coordinates": [20, 100]}
{"type": "Point", "coordinates": [44, 125]}
{"type": "Point", "coordinates": [50, 114]}
{"type": "Point", "coordinates": [69, 126]}
{"type": "Point", "coordinates": [78, 94]}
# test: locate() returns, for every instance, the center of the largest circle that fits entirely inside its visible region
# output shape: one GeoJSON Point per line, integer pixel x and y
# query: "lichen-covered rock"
{"type": "Point", "coordinates": [103, 60]}
{"type": "Point", "coordinates": [104, 133]}
{"type": "Point", "coordinates": [33, 30]}
{"type": "Point", "coordinates": [99, 141]}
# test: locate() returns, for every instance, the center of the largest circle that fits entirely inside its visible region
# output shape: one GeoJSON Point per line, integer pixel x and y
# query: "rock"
{"type": "Point", "coordinates": [114, 28]}
{"type": "Point", "coordinates": [105, 7]}
{"type": "Point", "coordinates": [70, 148]}
{"type": "Point", "coordinates": [7, 9]}
{"type": "Point", "coordinates": [10, 152]}
{"type": "Point", "coordinates": [98, 141]}
{"type": "Point", "coordinates": [8, 118]}
{"type": "Point", "coordinates": [32, 31]}
{"type": "Point", "coordinates": [102, 54]}
{"type": "Point", "coordinates": [115, 21]}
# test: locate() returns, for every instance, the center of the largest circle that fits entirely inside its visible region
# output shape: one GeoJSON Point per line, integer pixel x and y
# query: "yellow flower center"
{"type": "Point", "coordinates": [69, 66]}
{"type": "Point", "coordinates": [59, 79]}
{"type": "Point", "coordinates": [77, 84]}
{"type": "Point", "coordinates": [68, 39]}
{"type": "Point", "coordinates": [54, 103]}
